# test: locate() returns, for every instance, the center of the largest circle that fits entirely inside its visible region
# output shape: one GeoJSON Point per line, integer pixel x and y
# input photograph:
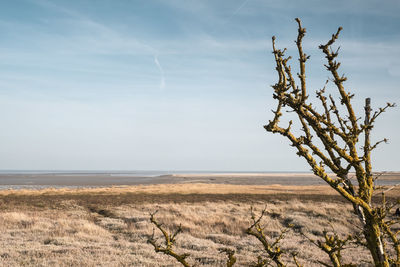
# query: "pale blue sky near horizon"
{"type": "Point", "coordinates": [178, 84]}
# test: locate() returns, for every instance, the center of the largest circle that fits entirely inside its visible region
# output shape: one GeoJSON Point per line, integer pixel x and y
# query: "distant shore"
{"type": "Point", "coordinates": [40, 180]}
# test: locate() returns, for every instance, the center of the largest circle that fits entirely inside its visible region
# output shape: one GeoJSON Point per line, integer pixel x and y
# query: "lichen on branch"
{"type": "Point", "coordinates": [330, 140]}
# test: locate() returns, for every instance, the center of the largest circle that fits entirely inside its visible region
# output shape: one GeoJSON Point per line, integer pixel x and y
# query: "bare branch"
{"type": "Point", "coordinates": [384, 140]}
{"type": "Point", "coordinates": [169, 241]}
{"type": "Point", "coordinates": [302, 60]}
{"type": "Point", "coordinates": [380, 111]}
{"type": "Point", "coordinates": [339, 133]}
{"type": "Point", "coordinates": [338, 80]}
{"type": "Point", "coordinates": [231, 256]}
{"type": "Point", "coordinates": [273, 250]}
{"type": "Point", "coordinates": [294, 256]}
{"type": "Point", "coordinates": [332, 245]}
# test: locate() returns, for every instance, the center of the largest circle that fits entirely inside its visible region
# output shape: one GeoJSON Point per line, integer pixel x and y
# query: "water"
{"type": "Point", "coordinates": [140, 173]}
{"type": "Point", "coordinates": [39, 179]}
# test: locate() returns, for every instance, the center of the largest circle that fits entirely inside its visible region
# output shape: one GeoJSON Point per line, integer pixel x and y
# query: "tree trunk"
{"type": "Point", "coordinates": [372, 235]}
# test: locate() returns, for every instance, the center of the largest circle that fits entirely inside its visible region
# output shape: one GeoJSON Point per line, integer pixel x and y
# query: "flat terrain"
{"type": "Point", "coordinates": [110, 226]}
{"type": "Point", "coordinates": [48, 179]}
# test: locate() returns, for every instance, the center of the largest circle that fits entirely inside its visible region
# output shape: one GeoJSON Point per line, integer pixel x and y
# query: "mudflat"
{"type": "Point", "coordinates": [43, 180]}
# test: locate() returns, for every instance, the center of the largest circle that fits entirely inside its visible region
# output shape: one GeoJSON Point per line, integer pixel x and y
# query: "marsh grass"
{"type": "Point", "coordinates": [110, 227]}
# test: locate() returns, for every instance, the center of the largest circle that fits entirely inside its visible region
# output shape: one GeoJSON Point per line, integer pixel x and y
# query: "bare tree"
{"type": "Point", "coordinates": [329, 141]}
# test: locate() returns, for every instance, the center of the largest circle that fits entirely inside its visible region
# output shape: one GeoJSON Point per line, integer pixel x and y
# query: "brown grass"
{"type": "Point", "coordinates": [110, 226]}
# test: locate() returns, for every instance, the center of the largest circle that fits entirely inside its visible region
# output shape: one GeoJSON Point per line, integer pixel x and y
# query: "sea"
{"type": "Point", "coordinates": [40, 179]}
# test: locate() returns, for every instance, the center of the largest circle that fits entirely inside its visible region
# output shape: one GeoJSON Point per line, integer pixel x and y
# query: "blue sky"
{"type": "Point", "coordinates": [177, 84]}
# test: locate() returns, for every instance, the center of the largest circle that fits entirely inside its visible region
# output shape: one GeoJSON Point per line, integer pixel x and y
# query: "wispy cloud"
{"type": "Point", "coordinates": [162, 80]}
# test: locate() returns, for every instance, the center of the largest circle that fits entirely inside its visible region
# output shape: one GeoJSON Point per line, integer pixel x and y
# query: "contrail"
{"type": "Point", "coordinates": [162, 82]}
{"type": "Point", "coordinates": [239, 8]}
{"type": "Point", "coordinates": [235, 12]}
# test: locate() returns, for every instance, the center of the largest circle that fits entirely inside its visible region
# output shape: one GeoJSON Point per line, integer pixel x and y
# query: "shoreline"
{"type": "Point", "coordinates": [66, 180]}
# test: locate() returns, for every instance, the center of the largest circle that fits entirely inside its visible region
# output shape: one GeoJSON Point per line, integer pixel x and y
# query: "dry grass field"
{"type": "Point", "coordinates": [110, 226]}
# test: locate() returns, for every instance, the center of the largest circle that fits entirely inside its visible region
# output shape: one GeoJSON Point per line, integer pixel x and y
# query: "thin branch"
{"type": "Point", "coordinates": [302, 59]}
{"type": "Point", "coordinates": [231, 256]}
{"type": "Point", "coordinates": [169, 241]}
{"type": "Point", "coordinates": [273, 250]}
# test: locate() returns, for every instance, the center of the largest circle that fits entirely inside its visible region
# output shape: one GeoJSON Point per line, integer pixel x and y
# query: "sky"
{"type": "Point", "coordinates": [178, 84]}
